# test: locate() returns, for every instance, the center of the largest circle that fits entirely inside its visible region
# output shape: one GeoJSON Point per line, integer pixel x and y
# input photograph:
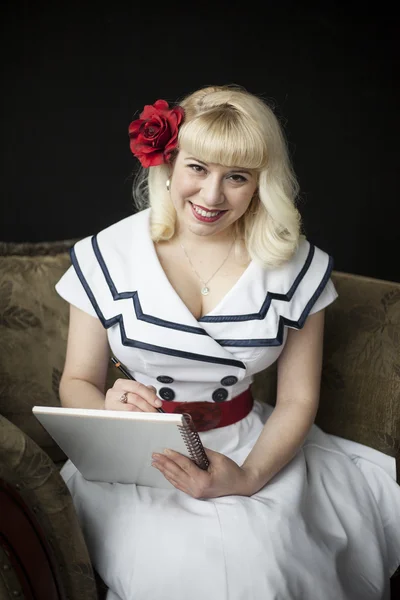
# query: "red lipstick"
{"type": "Point", "coordinates": [204, 219]}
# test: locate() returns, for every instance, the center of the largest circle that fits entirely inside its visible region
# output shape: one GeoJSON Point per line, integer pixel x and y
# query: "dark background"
{"type": "Point", "coordinates": [75, 75]}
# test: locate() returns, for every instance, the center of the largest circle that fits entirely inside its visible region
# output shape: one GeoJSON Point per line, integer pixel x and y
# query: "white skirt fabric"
{"type": "Point", "coordinates": [327, 527]}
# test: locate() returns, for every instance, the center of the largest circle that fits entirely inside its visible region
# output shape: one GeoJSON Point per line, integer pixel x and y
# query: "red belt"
{"type": "Point", "coordinates": [210, 415]}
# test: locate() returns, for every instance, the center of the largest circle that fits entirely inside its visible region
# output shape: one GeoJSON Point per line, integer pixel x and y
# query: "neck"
{"type": "Point", "coordinates": [218, 240]}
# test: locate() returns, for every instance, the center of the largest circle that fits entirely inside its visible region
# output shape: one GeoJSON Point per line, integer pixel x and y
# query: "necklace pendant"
{"type": "Point", "coordinates": [205, 291]}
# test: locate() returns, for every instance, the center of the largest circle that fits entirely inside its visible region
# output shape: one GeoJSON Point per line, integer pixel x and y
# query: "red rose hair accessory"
{"type": "Point", "coordinates": [154, 136]}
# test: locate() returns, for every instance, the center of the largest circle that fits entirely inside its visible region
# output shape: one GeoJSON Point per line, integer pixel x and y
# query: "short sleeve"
{"type": "Point", "coordinates": [328, 295]}
{"type": "Point", "coordinates": [71, 289]}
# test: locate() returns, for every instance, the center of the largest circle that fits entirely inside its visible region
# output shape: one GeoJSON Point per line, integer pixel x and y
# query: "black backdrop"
{"type": "Point", "coordinates": [74, 76]}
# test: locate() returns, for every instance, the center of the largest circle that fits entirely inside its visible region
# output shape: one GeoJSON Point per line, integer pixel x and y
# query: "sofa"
{"type": "Point", "coordinates": [43, 555]}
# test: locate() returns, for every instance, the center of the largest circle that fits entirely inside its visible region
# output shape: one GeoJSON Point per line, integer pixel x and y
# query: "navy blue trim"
{"type": "Point", "coordinates": [140, 315]}
{"type": "Point", "coordinates": [172, 352]}
{"type": "Point", "coordinates": [268, 299]}
{"type": "Point", "coordinates": [118, 319]}
{"type": "Point", "coordinates": [85, 285]}
{"type": "Point", "coordinates": [277, 341]}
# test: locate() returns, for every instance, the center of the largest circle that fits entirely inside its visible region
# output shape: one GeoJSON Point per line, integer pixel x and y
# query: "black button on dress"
{"type": "Point", "coordinates": [220, 395]}
{"type": "Point", "coordinates": [166, 393]}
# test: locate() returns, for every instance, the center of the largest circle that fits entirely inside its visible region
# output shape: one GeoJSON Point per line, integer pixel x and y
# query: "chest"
{"type": "Point", "coordinates": [211, 271]}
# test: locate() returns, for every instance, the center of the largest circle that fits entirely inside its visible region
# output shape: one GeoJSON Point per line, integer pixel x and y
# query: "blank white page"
{"type": "Point", "coordinates": [114, 446]}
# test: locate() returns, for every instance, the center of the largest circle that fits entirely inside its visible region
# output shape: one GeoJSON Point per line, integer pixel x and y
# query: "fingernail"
{"type": "Point", "coordinates": [151, 387]}
{"type": "Point", "coordinates": [158, 403]}
{"type": "Point", "coordinates": [166, 451]}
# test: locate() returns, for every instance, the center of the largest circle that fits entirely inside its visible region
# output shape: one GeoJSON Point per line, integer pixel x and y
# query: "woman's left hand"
{"type": "Point", "coordinates": [222, 478]}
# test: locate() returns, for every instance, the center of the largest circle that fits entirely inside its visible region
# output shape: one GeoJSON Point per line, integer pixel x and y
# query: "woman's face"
{"type": "Point", "coordinates": [208, 197]}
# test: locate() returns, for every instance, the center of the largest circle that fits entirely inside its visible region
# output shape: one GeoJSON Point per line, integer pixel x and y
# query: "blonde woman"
{"type": "Point", "coordinates": [208, 283]}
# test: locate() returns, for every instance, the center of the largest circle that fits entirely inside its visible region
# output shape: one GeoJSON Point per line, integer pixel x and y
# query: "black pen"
{"type": "Point", "coordinates": [128, 375]}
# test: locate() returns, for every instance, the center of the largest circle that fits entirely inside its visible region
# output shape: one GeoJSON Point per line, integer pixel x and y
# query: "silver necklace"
{"type": "Point", "coordinates": [205, 290]}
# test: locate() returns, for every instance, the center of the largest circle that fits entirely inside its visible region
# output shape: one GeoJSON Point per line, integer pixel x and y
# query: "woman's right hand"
{"type": "Point", "coordinates": [139, 397]}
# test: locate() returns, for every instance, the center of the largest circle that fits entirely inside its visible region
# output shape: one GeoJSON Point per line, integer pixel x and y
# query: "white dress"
{"type": "Point", "coordinates": [327, 527]}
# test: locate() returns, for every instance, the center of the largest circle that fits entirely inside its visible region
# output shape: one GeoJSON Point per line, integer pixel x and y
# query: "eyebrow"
{"type": "Point", "coordinates": [235, 169]}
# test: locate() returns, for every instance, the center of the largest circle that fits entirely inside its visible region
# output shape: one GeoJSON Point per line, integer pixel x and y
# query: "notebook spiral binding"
{"type": "Point", "coordinates": [193, 442]}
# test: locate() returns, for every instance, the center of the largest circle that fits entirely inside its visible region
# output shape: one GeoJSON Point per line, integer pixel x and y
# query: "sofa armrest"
{"type": "Point", "coordinates": [40, 535]}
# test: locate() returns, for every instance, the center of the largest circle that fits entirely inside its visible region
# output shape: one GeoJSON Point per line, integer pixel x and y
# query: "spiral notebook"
{"type": "Point", "coordinates": [116, 446]}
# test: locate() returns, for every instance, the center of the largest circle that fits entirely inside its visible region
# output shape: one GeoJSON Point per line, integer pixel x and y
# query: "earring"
{"type": "Point", "coordinates": [168, 184]}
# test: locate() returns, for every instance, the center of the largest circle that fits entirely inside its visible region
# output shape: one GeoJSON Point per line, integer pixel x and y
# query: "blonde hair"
{"type": "Point", "coordinates": [229, 126]}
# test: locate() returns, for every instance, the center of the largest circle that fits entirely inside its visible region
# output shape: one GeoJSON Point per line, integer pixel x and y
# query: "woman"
{"type": "Point", "coordinates": [195, 294]}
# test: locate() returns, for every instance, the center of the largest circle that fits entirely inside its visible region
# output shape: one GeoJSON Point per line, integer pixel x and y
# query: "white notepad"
{"type": "Point", "coordinates": [116, 446]}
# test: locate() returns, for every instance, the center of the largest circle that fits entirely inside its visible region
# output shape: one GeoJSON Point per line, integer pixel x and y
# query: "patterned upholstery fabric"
{"type": "Point", "coordinates": [33, 332]}
{"type": "Point", "coordinates": [361, 377]}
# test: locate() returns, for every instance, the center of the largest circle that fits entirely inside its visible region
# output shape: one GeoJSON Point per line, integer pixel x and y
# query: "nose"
{"type": "Point", "coordinates": [212, 192]}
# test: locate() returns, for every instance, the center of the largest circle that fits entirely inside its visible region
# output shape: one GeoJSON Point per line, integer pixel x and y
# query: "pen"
{"type": "Point", "coordinates": [127, 374]}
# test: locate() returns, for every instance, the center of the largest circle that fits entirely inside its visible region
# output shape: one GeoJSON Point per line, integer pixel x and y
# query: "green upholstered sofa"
{"type": "Point", "coordinates": [43, 555]}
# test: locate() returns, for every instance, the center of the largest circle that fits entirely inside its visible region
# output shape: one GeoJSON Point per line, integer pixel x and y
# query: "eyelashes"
{"type": "Point", "coordinates": [196, 168]}
{"type": "Point", "coordinates": [238, 178]}
{"type": "Point", "coordinates": [235, 177]}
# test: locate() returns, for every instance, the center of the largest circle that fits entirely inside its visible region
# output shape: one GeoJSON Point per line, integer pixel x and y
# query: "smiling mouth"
{"type": "Point", "coordinates": [207, 214]}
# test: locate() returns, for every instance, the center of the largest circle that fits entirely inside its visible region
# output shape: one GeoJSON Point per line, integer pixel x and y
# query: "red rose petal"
{"type": "Point", "coordinates": [151, 130]}
{"type": "Point", "coordinates": [153, 109]}
{"type": "Point", "coordinates": [161, 105]}
{"type": "Point", "coordinates": [134, 126]}
{"type": "Point", "coordinates": [155, 159]}
{"type": "Point", "coordinates": [154, 136]}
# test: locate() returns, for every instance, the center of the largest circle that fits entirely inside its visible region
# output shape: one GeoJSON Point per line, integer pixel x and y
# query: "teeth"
{"type": "Point", "coordinates": [205, 213]}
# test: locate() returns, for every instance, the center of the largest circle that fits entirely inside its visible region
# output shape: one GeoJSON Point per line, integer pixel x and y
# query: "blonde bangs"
{"type": "Point", "coordinates": [220, 136]}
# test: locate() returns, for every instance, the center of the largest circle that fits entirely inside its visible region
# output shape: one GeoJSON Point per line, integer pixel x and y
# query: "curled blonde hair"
{"type": "Point", "coordinates": [229, 126]}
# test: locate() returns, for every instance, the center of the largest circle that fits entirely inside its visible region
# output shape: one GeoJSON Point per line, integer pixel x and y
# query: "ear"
{"type": "Point", "coordinates": [172, 161]}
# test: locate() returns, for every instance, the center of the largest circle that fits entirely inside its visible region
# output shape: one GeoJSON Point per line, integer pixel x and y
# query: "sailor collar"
{"type": "Point", "coordinates": [127, 286]}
